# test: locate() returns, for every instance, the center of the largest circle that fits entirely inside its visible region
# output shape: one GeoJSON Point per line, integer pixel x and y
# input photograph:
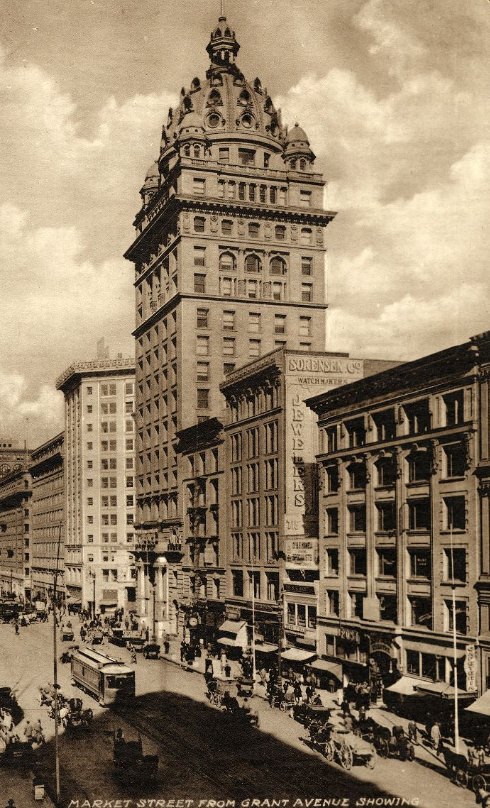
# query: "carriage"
{"type": "Point", "coordinates": [131, 765]}
{"type": "Point", "coordinates": [217, 688]}
{"type": "Point", "coordinates": [464, 773]}
{"type": "Point", "coordinates": [387, 742]}
{"type": "Point", "coordinates": [346, 748]}
{"type": "Point", "coordinates": [77, 718]}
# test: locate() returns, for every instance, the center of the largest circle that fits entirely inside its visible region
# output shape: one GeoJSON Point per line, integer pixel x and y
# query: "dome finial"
{"type": "Point", "coordinates": [223, 46]}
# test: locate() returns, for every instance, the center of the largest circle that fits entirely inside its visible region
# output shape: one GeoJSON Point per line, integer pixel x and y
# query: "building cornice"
{"type": "Point", "coordinates": [95, 367]}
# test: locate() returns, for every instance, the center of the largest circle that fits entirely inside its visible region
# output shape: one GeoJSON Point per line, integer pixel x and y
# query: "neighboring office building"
{"type": "Point", "coordinates": [47, 523]}
{"type": "Point", "coordinates": [404, 518]}
{"type": "Point", "coordinates": [15, 516]}
{"type": "Point", "coordinates": [99, 482]}
{"type": "Point", "coordinates": [230, 264]}
{"type": "Point", "coordinates": [271, 489]}
{"type": "Point", "coordinates": [11, 458]}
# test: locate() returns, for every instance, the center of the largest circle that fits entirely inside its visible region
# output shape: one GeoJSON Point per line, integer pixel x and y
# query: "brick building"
{"type": "Point", "coordinates": [47, 522]}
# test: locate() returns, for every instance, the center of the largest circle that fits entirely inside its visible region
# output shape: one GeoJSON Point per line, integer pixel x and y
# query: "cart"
{"type": "Point", "coordinates": [218, 687]}
{"type": "Point", "coordinates": [151, 651]}
{"type": "Point", "coordinates": [67, 634]}
{"type": "Point", "coordinates": [346, 749]}
{"type": "Point", "coordinates": [245, 687]}
{"type": "Point", "coordinates": [389, 742]}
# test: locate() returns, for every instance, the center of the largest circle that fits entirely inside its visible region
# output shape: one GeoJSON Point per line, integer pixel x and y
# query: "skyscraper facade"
{"type": "Point", "coordinates": [229, 262]}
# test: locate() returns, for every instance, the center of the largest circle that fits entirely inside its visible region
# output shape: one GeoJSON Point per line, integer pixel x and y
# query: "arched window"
{"type": "Point", "coordinates": [197, 151]}
{"type": "Point", "coordinates": [280, 232]}
{"type": "Point", "coordinates": [187, 104]}
{"type": "Point", "coordinates": [199, 224]}
{"type": "Point", "coordinates": [306, 235]}
{"type": "Point", "coordinates": [268, 104]}
{"type": "Point", "coordinates": [241, 190]}
{"type": "Point", "coordinates": [227, 262]}
{"type": "Point", "coordinates": [244, 97]}
{"type": "Point", "coordinates": [187, 150]}
{"type": "Point", "coordinates": [273, 195]}
{"type": "Point", "coordinates": [263, 193]}
{"type": "Point", "coordinates": [215, 98]}
{"type": "Point", "coordinates": [251, 192]}
{"type": "Point", "coordinates": [302, 165]}
{"type": "Point", "coordinates": [253, 229]}
{"type": "Point", "coordinates": [227, 227]}
{"type": "Point", "coordinates": [293, 165]}
{"type": "Point", "coordinates": [277, 265]}
{"type": "Point", "coordinates": [252, 263]}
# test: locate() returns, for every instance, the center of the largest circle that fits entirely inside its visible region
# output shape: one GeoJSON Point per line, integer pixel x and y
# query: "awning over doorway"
{"type": "Point", "coordinates": [228, 641]}
{"type": "Point", "coordinates": [441, 689]}
{"type": "Point", "coordinates": [426, 648]}
{"type": "Point", "coordinates": [405, 686]}
{"type": "Point", "coordinates": [324, 666]}
{"type": "Point", "coordinates": [481, 705]}
{"type": "Point", "coordinates": [265, 648]}
{"type": "Point", "coordinates": [231, 626]}
{"type": "Point", "coordinates": [233, 633]}
{"type": "Point", "coordinates": [297, 655]}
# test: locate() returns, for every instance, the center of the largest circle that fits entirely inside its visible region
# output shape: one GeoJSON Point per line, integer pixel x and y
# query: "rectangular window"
{"type": "Point", "coordinates": [305, 199]}
{"type": "Point", "coordinates": [386, 470]}
{"type": "Point", "coordinates": [387, 562]}
{"type": "Point", "coordinates": [387, 608]}
{"type": "Point", "coordinates": [331, 439]}
{"type": "Point", "coordinates": [418, 416]}
{"type": "Point", "coordinates": [129, 388]}
{"type": "Point", "coordinates": [454, 407]}
{"type": "Point", "coordinates": [421, 612]}
{"type": "Point", "coordinates": [199, 186]}
{"type": "Point", "coordinates": [385, 425]}
{"type": "Point", "coordinates": [228, 321]}
{"type": "Point", "coordinates": [254, 322]}
{"type": "Point", "coordinates": [386, 516]}
{"type": "Point", "coordinates": [332, 525]}
{"type": "Point", "coordinates": [357, 475]}
{"type": "Point", "coordinates": [419, 517]}
{"type": "Point", "coordinates": [305, 326]}
{"type": "Point", "coordinates": [202, 372]}
{"type": "Point", "coordinates": [228, 346]}
{"type": "Point", "coordinates": [420, 563]}
{"type": "Point", "coordinates": [357, 518]}
{"type": "Point", "coordinates": [455, 513]}
{"type": "Point", "coordinates": [357, 562]}
{"type": "Point", "coordinates": [202, 399]}
{"type": "Point", "coordinates": [332, 479]}
{"type": "Point", "coordinates": [420, 466]}
{"type": "Point", "coordinates": [307, 292]}
{"type": "Point", "coordinates": [455, 564]}
{"type": "Point", "coordinates": [306, 265]}
{"type": "Point", "coordinates": [200, 284]}
{"type": "Point", "coordinates": [202, 318]}
{"type": "Point", "coordinates": [246, 157]}
{"type": "Point", "coordinates": [332, 563]}
{"type": "Point", "coordinates": [277, 290]}
{"type": "Point", "coordinates": [455, 460]}
{"type": "Point", "coordinates": [237, 583]}
{"type": "Point", "coordinates": [254, 347]}
{"type": "Point", "coordinates": [279, 324]}
{"type": "Point", "coordinates": [228, 367]}
{"type": "Point", "coordinates": [224, 154]}
{"type": "Point", "coordinates": [332, 602]}
{"type": "Point", "coordinates": [460, 613]}
{"type": "Point", "coordinates": [356, 604]}
{"type": "Point", "coordinates": [272, 586]}
{"type": "Point", "coordinates": [202, 346]}
{"type": "Point", "coordinates": [356, 432]}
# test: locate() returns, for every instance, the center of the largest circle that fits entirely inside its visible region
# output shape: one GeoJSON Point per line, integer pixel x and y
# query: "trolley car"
{"type": "Point", "coordinates": [103, 677]}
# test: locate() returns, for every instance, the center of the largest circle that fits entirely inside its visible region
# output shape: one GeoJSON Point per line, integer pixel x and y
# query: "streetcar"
{"type": "Point", "coordinates": [10, 610]}
{"type": "Point", "coordinates": [103, 677]}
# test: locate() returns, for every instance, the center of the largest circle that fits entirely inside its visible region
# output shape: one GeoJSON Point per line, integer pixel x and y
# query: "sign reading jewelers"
{"type": "Point", "coordinates": [307, 375]}
{"type": "Point", "coordinates": [470, 668]}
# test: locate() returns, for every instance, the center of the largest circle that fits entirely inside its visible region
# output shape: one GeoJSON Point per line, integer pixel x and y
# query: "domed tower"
{"type": "Point", "coordinates": [229, 262]}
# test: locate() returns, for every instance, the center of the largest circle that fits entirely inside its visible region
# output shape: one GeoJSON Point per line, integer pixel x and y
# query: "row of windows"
{"type": "Point", "coordinates": [419, 464]}
{"type": "Point", "coordinates": [111, 446]}
{"type": "Point", "coordinates": [254, 230]}
{"type": "Point", "coordinates": [252, 289]}
{"type": "Point", "coordinates": [254, 585]}
{"type": "Point", "coordinates": [252, 476]}
{"type": "Point", "coordinates": [251, 508]}
{"type": "Point", "coordinates": [419, 563]}
{"type": "Point", "coordinates": [111, 389]}
{"type": "Point", "coordinates": [110, 519]}
{"type": "Point", "coordinates": [419, 516]}
{"type": "Point", "coordinates": [252, 264]}
{"type": "Point", "coordinates": [110, 408]}
{"type": "Point", "coordinates": [419, 610]}
{"type": "Point", "coordinates": [111, 426]}
{"type": "Point", "coordinates": [251, 441]}
{"type": "Point", "coordinates": [111, 501]}
{"type": "Point", "coordinates": [254, 324]}
{"type": "Point", "coordinates": [415, 419]}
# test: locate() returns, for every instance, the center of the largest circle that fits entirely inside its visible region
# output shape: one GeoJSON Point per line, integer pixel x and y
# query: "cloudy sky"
{"type": "Point", "coordinates": [392, 93]}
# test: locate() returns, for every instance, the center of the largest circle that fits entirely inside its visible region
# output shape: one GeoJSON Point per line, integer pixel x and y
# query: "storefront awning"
{"type": "Point", "coordinates": [328, 667]}
{"type": "Point", "coordinates": [441, 689]}
{"type": "Point", "coordinates": [109, 602]}
{"type": "Point", "coordinates": [233, 643]}
{"type": "Point", "coordinates": [297, 655]}
{"type": "Point", "coordinates": [481, 705]}
{"type": "Point", "coordinates": [231, 626]}
{"type": "Point", "coordinates": [265, 648]}
{"type": "Point", "coordinates": [73, 600]}
{"type": "Point", "coordinates": [405, 686]}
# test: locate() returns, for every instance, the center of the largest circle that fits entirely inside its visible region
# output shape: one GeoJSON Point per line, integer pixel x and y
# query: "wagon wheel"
{"type": "Point", "coordinates": [371, 759]}
{"type": "Point", "coordinates": [461, 777]}
{"type": "Point", "coordinates": [329, 750]}
{"type": "Point", "coordinates": [346, 757]}
{"type": "Point", "coordinates": [383, 747]}
{"type": "Point", "coordinates": [478, 782]}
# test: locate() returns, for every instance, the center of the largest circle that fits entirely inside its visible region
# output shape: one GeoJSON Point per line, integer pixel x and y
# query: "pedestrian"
{"type": "Point", "coordinates": [480, 752]}
{"type": "Point", "coordinates": [10, 804]}
{"type": "Point", "coordinates": [344, 707]}
{"type": "Point", "coordinates": [472, 756]}
{"type": "Point", "coordinates": [134, 658]}
{"type": "Point", "coordinates": [166, 647]}
{"type": "Point", "coordinates": [435, 736]}
{"type": "Point", "coordinates": [28, 731]}
{"type": "Point", "coordinates": [228, 670]}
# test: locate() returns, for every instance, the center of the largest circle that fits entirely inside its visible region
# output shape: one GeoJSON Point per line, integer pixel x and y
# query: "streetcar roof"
{"type": "Point", "coordinates": [101, 660]}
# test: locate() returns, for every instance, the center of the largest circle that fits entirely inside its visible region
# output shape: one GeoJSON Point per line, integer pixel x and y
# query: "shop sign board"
{"type": "Point", "coordinates": [470, 668]}
{"type": "Point", "coordinates": [349, 634]}
{"type": "Point", "coordinates": [302, 553]}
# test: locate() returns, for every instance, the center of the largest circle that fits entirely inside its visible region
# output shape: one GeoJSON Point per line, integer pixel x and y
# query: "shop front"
{"type": "Point", "coordinates": [294, 663]}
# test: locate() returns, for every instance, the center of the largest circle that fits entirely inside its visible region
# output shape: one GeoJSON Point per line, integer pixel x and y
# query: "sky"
{"type": "Point", "coordinates": [393, 95]}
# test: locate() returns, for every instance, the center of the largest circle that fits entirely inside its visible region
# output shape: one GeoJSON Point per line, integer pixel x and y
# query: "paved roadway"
{"type": "Point", "coordinates": [202, 754]}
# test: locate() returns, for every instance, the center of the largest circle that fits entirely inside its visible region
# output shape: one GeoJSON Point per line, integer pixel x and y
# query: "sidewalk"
{"type": "Point", "coordinates": [17, 786]}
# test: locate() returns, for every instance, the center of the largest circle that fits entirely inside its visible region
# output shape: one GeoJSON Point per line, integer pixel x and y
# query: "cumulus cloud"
{"type": "Point", "coordinates": [27, 417]}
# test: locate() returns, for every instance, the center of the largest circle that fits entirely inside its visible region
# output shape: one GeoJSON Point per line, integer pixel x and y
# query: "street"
{"type": "Point", "coordinates": [203, 753]}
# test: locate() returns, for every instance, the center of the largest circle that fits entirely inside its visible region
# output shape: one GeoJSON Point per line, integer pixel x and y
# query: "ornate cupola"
{"type": "Point", "coordinates": [223, 46]}
{"type": "Point", "coordinates": [298, 154]}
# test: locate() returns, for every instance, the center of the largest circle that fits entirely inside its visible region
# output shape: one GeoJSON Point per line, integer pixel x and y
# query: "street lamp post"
{"type": "Point", "coordinates": [92, 575]}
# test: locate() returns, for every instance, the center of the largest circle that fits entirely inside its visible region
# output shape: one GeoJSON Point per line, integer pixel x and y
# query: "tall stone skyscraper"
{"type": "Point", "coordinates": [229, 265]}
